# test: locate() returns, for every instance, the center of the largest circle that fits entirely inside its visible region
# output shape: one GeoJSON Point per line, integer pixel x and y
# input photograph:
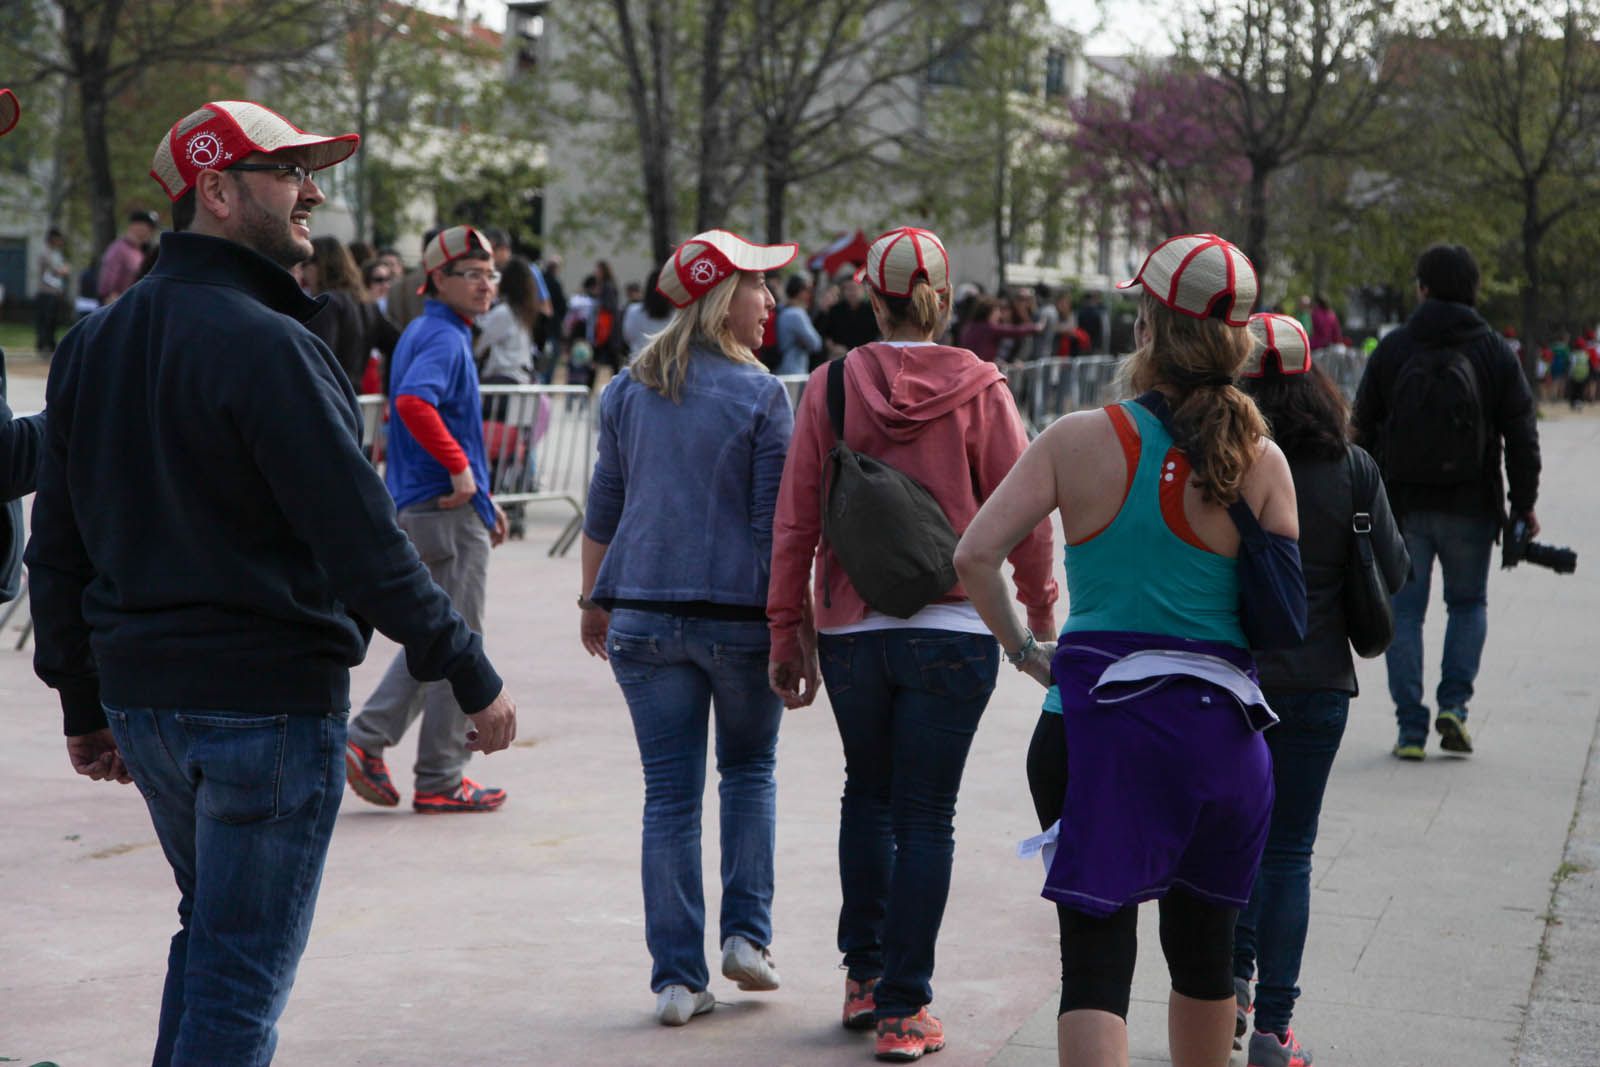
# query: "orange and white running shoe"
{"type": "Point", "coordinates": [907, 1037]}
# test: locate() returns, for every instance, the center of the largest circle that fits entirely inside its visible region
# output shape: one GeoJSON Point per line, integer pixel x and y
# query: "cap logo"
{"type": "Point", "coordinates": [703, 271]}
{"type": "Point", "coordinates": [205, 150]}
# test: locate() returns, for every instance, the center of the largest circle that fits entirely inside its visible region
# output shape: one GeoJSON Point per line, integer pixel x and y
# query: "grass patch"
{"type": "Point", "coordinates": [17, 336]}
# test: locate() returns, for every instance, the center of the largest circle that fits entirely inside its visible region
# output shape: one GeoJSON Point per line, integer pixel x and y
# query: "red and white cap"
{"type": "Point", "coordinates": [222, 133]}
{"type": "Point", "coordinates": [10, 111]}
{"type": "Point", "coordinates": [1280, 337]}
{"type": "Point", "coordinates": [1200, 275]}
{"type": "Point", "coordinates": [701, 263]}
{"type": "Point", "coordinates": [450, 245]}
{"type": "Point", "coordinates": [898, 258]}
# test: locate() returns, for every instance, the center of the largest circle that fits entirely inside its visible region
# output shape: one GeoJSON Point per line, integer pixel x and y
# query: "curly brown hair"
{"type": "Point", "coordinates": [1194, 362]}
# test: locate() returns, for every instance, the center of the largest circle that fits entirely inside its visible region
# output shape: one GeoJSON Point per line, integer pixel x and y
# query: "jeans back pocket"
{"type": "Point", "coordinates": [237, 761]}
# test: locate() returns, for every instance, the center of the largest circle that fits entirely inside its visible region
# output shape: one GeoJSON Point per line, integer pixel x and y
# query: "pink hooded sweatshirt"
{"type": "Point", "coordinates": [939, 415]}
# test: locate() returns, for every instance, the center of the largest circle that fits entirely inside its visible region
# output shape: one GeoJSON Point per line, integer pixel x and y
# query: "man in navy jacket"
{"type": "Point", "coordinates": [210, 552]}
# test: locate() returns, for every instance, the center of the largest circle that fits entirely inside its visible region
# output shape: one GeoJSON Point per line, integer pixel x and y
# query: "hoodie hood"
{"type": "Point", "coordinates": [1441, 321]}
{"type": "Point", "coordinates": [908, 386]}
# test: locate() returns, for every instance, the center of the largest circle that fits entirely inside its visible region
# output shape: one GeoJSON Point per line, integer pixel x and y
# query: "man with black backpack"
{"type": "Point", "coordinates": [1438, 398]}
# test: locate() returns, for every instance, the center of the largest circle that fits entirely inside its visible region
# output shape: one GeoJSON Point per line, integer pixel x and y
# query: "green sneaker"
{"type": "Point", "coordinates": [1452, 726]}
{"type": "Point", "coordinates": [1409, 748]}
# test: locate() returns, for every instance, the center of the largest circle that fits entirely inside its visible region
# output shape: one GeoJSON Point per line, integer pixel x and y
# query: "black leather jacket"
{"type": "Point", "coordinates": [1326, 500]}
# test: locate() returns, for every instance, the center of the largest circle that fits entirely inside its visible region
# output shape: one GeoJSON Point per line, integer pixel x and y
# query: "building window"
{"type": "Point", "coordinates": [1055, 73]}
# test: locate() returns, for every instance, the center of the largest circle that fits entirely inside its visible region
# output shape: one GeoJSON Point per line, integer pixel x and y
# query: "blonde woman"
{"type": "Point", "coordinates": [676, 548]}
{"type": "Point", "coordinates": [1149, 751]}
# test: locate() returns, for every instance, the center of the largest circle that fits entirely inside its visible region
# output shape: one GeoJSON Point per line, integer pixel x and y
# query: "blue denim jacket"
{"type": "Point", "coordinates": [684, 493]}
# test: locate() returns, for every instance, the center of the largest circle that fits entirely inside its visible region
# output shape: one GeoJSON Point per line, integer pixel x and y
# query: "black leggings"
{"type": "Point", "coordinates": [1097, 954]}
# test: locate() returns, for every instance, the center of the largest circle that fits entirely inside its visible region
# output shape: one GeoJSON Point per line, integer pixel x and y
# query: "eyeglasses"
{"type": "Point", "coordinates": [379, 279]}
{"type": "Point", "coordinates": [475, 276]}
{"type": "Point", "coordinates": [297, 174]}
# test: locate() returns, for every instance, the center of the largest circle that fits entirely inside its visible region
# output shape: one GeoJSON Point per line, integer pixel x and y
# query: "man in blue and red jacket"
{"type": "Point", "coordinates": [438, 474]}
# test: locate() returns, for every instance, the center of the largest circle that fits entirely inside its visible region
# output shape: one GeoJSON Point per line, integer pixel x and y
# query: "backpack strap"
{"type": "Point", "coordinates": [836, 397]}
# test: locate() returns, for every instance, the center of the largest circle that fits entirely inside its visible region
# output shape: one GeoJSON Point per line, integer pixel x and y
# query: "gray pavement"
{"type": "Point", "coordinates": [517, 938]}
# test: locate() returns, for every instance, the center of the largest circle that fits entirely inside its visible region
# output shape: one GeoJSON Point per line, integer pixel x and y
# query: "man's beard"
{"type": "Point", "coordinates": [268, 235]}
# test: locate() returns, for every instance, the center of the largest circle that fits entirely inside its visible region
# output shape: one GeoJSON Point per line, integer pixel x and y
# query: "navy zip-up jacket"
{"type": "Point", "coordinates": [207, 533]}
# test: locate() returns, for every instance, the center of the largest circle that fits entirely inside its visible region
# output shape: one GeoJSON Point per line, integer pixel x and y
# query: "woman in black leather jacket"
{"type": "Point", "coordinates": [1309, 687]}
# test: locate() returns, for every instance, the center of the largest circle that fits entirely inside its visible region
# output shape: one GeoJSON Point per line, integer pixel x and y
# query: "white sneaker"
{"type": "Point", "coordinates": [748, 965]}
{"type": "Point", "coordinates": [676, 1005]}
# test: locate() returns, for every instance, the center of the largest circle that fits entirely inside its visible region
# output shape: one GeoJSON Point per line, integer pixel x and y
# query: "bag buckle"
{"type": "Point", "coordinates": [1361, 522]}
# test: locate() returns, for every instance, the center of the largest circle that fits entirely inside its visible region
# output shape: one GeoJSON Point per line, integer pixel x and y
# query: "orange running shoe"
{"type": "Point", "coordinates": [907, 1037]}
{"type": "Point", "coordinates": [468, 796]}
{"type": "Point", "coordinates": [369, 776]}
{"type": "Point", "coordinates": [859, 1005]}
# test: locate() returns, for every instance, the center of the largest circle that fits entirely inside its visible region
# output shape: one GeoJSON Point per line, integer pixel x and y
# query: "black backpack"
{"type": "Point", "coordinates": [889, 534]}
{"type": "Point", "coordinates": [1437, 432]}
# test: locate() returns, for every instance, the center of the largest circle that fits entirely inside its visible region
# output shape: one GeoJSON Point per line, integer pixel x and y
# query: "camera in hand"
{"type": "Point", "coordinates": [1518, 545]}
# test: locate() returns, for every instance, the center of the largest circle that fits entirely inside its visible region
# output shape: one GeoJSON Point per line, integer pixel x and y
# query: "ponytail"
{"type": "Point", "coordinates": [1215, 424]}
{"type": "Point", "coordinates": [925, 310]}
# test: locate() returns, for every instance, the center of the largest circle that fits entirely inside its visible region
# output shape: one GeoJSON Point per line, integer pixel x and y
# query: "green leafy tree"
{"type": "Point", "coordinates": [1513, 86]}
{"type": "Point", "coordinates": [988, 108]}
{"type": "Point", "coordinates": [118, 57]}
{"type": "Point", "coordinates": [1301, 84]}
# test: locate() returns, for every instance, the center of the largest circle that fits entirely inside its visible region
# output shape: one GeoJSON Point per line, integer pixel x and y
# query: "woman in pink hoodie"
{"type": "Point", "coordinates": [907, 694]}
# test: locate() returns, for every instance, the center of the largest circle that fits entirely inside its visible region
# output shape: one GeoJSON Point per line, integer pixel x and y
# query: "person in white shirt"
{"type": "Point", "coordinates": [50, 297]}
{"type": "Point", "coordinates": [645, 317]}
{"type": "Point", "coordinates": [504, 346]}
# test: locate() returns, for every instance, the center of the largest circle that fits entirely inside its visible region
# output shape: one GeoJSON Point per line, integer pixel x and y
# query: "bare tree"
{"type": "Point", "coordinates": [833, 84]}
{"type": "Point", "coordinates": [1303, 80]}
{"type": "Point", "coordinates": [102, 48]}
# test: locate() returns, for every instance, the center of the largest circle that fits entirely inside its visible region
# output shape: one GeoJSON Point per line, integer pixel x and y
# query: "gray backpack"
{"type": "Point", "coordinates": [888, 532]}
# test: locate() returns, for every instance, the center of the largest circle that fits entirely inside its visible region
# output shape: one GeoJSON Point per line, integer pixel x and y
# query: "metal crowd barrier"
{"type": "Point", "coordinates": [1344, 364]}
{"type": "Point", "coordinates": [1047, 389]}
{"type": "Point", "coordinates": [539, 441]}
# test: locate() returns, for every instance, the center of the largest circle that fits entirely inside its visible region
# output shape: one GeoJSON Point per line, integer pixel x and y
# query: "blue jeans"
{"type": "Point", "coordinates": [1463, 545]}
{"type": "Point", "coordinates": [1270, 936]}
{"type": "Point", "coordinates": [674, 672]}
{"type": "Point", "coordinates": [243, 806]}
{"type": "Point", "coordinates": [907, 703]}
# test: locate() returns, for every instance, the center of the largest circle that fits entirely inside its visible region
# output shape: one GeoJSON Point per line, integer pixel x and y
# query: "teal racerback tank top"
{"type": "Point", "coordinates": [1140, 574]}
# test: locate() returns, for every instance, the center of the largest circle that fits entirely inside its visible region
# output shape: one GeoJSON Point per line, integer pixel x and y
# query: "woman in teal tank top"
{"type": "Point", "coordinates": [1155, 763]}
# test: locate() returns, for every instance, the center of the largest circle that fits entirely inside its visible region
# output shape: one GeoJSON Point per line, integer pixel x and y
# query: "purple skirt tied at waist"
{"type": "Point", "coordinates": [1169, 782]}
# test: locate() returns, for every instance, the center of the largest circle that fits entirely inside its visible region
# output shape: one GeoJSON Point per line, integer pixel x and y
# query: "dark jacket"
{"type": "Point", "coordinates": [19, 467]}
{"type": "Point", "coordinates": [1507, 401]}
{"type": "Point", "coordinates": [1327, 500]}
{"type": "Point", "coordinates": [353, 328]}
{"type": "Point", "coordinates": [207, 531]}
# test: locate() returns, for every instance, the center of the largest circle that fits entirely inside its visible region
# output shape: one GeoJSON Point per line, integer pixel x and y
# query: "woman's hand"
{"type": "Point", "coordinates": [592, 627]}
{"type": "Point", "coordinates": [1037, 665]}
{"type": "Point", "coordinates": [795, 680]}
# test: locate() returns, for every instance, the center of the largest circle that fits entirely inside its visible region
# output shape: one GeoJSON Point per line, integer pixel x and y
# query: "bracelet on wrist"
{"type": "Point", "coordinates": [588, 605]}
{"type": "Point", "coordinates": [1020, 657]}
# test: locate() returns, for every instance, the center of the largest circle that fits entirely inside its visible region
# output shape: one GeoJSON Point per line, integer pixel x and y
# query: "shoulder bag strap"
{"type": "Point", "coordinates": [836, 397]}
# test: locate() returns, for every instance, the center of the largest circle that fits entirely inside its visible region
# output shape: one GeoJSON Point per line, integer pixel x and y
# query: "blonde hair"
{"type": "Point", "coordinates": [663, 364]}
{"type": "Point", "coordinates": [926, 311]}
{"type": "Point", "coordinates": [1216, 425]}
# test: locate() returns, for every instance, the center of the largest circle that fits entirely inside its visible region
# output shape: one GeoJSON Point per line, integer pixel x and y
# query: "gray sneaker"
{"type": "Point", "coordinates": [751, 967]}
{"type": "Point", "coordinates": [677, 1004]}
{"type": "Point", "coordinates": [1267, 1051]}
{"type": "Point", "coordinates": [1241, 1021]}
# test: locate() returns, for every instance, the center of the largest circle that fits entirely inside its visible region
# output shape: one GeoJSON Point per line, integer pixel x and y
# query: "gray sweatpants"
{"type": "Point", "coordinates": [454, 545]}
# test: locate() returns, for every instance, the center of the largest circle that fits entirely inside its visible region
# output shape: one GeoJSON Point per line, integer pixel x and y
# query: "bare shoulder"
{"type": "Point", "coordinates": [1079, 432]}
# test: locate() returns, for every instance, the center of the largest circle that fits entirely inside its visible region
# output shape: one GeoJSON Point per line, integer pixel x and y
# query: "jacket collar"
{"type": "Point", "coordinates": [219, 261]}
{"type": "Point", "coordinates": [438, 309]}
{"type": "Point", "coordinates": [1436, 320]}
